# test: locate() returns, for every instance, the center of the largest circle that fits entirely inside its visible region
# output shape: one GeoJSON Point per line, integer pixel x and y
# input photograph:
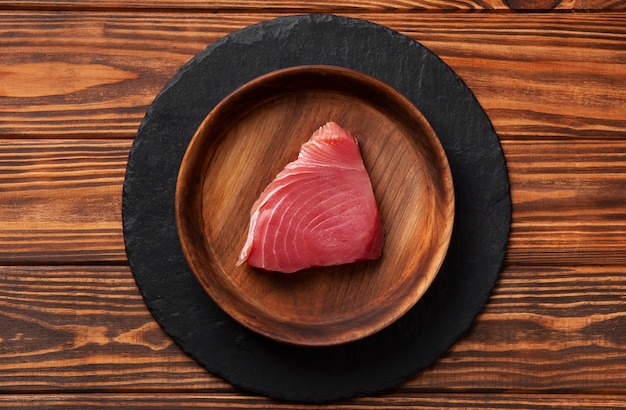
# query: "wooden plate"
{"type": "Point", "coordinates": [241, 146]}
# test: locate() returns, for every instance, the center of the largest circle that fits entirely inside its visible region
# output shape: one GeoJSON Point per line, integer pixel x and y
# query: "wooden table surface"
{"type": "Point", "coordinates": [76, 78]}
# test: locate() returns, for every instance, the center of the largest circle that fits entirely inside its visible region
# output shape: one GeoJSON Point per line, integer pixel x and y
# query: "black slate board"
{"type": "Point", "coordinates": [385, 359]}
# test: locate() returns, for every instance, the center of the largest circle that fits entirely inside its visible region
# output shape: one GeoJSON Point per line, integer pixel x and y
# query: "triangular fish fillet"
{"type": "Point", "coordinates": [320, 209]}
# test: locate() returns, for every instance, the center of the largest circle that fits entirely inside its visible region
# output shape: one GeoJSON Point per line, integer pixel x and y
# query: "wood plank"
{"type": "Point", "coordinates": [581, 182]}
{"type": "Point", "coordinates": [300, 6]}
{"type": "Point", "coordinates": [544, 329]}
{"type": "Point", "coordinates": [325, 5]}
{"type": "Point", "coordinates": [94, 74]}
{"type": "Point", "coordinates": [60, 201]}
{"type": "Point", "coordinates": [386, 402]}
{"type": "Point", "coordinates": [86, 329]}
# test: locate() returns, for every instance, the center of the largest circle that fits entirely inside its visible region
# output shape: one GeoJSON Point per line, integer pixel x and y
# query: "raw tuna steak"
{"type": "Point", "coordinates": [320, 209]}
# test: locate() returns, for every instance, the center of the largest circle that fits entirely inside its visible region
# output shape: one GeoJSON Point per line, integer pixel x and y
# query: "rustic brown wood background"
{"type": "Point", "coordinates": [76, 78]}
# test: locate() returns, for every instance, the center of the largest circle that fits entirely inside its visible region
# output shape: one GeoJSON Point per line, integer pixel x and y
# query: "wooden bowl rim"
{"type": "Point", "coordinates": [182, 189]}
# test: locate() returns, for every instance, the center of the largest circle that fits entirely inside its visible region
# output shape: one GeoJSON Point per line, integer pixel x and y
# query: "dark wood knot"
{"type": "Point", "coordinates": [532, 4]}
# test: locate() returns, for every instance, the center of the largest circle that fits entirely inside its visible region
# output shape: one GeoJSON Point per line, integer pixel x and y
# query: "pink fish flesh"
{"type": "Point", "coordinates": [320, 209]}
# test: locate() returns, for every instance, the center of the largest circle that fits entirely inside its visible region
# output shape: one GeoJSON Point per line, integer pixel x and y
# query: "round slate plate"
{"type": "Point", "coordinates": [366, 366]}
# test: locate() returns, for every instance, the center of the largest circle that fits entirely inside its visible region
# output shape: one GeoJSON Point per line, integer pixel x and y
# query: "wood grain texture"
{"type": "Point", "coordinates": [549, 329]}
{"type": "Point", "coordinates": [61, 200]}
{"type": "Point", "coordinates": [536, 75]}
{"type": "Point", "coordinates": [300, 6]}
{"type": "Point", "coordinates": [86, 328]}
{"type": "Point", "coordinates": [544, 330]}
{"type": "Point", "coordinates": [434, 401]}
{"type": "Point", "coordinates": [582, 182]}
